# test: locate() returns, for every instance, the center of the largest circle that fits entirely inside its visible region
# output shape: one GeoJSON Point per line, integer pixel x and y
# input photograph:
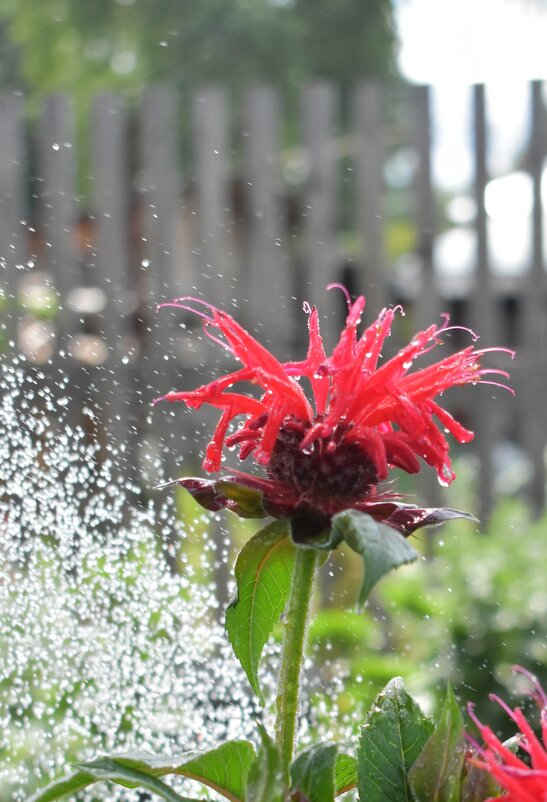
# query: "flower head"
{"type": "Point", "coordinates": [332, 450]}
{"type": "Point", "coordinates": [521, 781]}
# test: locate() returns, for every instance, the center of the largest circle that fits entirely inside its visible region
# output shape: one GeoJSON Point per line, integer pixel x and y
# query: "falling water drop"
{"type": "Point", "coordinates": [103, 647]}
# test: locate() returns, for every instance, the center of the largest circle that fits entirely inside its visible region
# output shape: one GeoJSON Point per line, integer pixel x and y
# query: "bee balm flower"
{"type": "Point", "coordinates": [331, 451]}
{"type": "Point", "coordinates": [520, 781]}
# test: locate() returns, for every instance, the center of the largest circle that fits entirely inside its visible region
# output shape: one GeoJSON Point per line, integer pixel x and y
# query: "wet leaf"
{"type": "Point", "coordinates": [345, 773]}
{"type": "Point", "coordinates": [69, 784]}
{"type": "Point", "coordinates": [225, 769]}
{"type": "Point", "coordinates": [437, 774]}
{"type": "Point", "coordinates": [265, 776]}
{"type": "Point", "coordinates": [106, 769]}
{"type": "Point", "coordinates": [381, 547]}
{"type": "Point", "coordinates": [392, 737]}
{"type": "Point", "coordinates": [313, 773]}
{"type": "Point", "coordinates": [263, 575]}
{"type": "Point", "coordinates": [116, 771]}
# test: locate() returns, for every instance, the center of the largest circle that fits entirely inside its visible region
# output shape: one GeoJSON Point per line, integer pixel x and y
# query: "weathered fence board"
{"type": "Point", "coordinates": [164, 265]}
{"type": "Point", "coordinates": [481, 306]}
{"type": "Point", "coordinates": [534, 386]}
{"type": "Point", "coordinates": [215, 261]}
{"type": "Point", "coordinates": [369, 197]}
{"type": "Point", "coordinates": [111, 207]}
{"type": "Point", "coordinates": [428, 305]}
{"type": "Point", "coordinates": [320, 256]}
{"type": "Point", "coordinates": [57, 207]}
{"type": "Point", "coordinates": [56, 219]}
{"type": "Point", "coordinates": [14, 205]}
{"type": "Point", "coordinates": [427, 301]}
{"type": "Point", "coordinates": [267, 281]}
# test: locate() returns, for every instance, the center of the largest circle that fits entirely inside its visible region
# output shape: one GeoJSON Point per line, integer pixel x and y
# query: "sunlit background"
{"type": "Point", "coordinates": [450, 46]}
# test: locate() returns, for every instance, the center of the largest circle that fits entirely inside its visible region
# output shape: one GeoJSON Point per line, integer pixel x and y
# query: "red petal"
{"type": "Point", "coordinates": [399, 453]}
{"type": "Point", "coordinates": [213, 453]}
{"type": "Point", "coordinates": [455, 428]}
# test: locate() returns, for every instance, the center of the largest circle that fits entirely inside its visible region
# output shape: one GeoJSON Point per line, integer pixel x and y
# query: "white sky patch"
{"type": "Point", "coordinates": [472, 41]}
{"type": "Point", "coordinates": [451, 45]}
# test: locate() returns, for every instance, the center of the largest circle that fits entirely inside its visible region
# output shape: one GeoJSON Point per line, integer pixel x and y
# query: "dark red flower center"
{"type": "Point", "coordinates": [331, 467]}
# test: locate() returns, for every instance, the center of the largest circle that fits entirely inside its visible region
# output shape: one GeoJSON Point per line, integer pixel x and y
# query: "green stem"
{"type": "Point", "coordinates": [288, 687]}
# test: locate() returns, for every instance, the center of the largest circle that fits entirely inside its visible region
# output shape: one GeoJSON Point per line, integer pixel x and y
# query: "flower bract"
{"type": "Point", "coordinates": [329, 448]}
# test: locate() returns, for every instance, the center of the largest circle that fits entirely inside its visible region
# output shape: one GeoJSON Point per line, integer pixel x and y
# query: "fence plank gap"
{"type": "Point", "coordinates": [482, 311]}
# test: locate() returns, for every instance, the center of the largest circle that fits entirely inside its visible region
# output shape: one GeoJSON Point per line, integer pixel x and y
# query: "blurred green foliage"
{"type": "Point", "coordinates": [84, 47]}
{"type": "Point", "coordinates": [466, 615]}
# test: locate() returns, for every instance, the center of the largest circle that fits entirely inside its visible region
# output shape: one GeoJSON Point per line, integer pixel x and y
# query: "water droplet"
{"type": "Point", "coordinates": [82, 584]}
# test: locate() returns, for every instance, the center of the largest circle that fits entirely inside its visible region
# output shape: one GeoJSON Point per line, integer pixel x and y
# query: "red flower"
{"type": "Point", "coordinates": [520, 781]}
{"type": "Point", "coordinates": [330, 453]}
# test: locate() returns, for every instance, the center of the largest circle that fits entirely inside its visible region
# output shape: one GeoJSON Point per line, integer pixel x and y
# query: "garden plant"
{"type": "Point", "coordinates": [324, 435]}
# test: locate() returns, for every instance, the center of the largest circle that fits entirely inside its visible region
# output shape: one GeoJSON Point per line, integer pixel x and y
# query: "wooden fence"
{"type": "Point", "coordinates": [244, 221]}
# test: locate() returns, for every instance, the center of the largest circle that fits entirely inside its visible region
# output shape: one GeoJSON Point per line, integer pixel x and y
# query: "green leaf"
{"type": "Point", "coordinates": [116, 771]}
{"type": "Point", "coordinates": [381, 547]}
{"type": "Point", "coordinates": [437, 774]}
{"type": "Point", "coordinates": [225, 769]}
{"type": "Point", "coordinates": [313, 773]}
{"type": "Point", "coordinates": [392, 737]}
{"type": "Point", "coordinates": [263, 574]}
{"type": "Point", "coordinates": [345, 773]}
{"type": "Point", "coordinates": [69, 784]}
{"type": "Point", "coordinates": [265, 776]}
